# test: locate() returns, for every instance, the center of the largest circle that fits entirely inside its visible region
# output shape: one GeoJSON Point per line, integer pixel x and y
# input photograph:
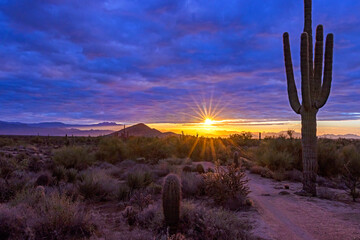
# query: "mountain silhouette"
{"type": "Point", "coordinates": [142, 130]}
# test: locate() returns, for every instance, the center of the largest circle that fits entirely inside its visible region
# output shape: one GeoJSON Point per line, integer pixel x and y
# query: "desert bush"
{"type": "Point", "coordinates": [151, 218]}
{"type": "Point", "coordinates": [123, 192]}
{"type": "Point", "coordinates": [139, 179]}
{"type": "Point", "coordinates": [141, 200]}
{"type": "Point", "coordinates": [71, 175]}
{"type": "Point", "coordinates": [111, 149]}
{"type": "Point", "coordinates": [60, 218]}
{"type": "Point", "coordinates": [200, 168]}
{"type": "Point", "coordinates": [279, 154]}
{"type": "Point", "coordinates": [152, 149]}
{"type": "Point", "coordinates": [226, 185]}
{"type": "Point", "coordinates": [7, 167]}
{"type": "Point", "coordinates": [351, 156]}
{"type": "Point", "coordinates": [6, 142]}
{"type": "Point", "coordinates": [97, 186]}
{"type": "Point", "coordinates": [35, 164]}
{"type": "Point", "coordinates": [329, 162]}
{"type": "Point", "coordinates": [154, 188]}
{"type": "Point", "coordinates": [12, 224]}
{"type": "Point", "coordinates": [59, 172]}
{"type": "Point", "coordinates": [199, 222]}
{"type": "Point", "coordinates": [73, 157]}
{"type": "Point", "coordinates": [8, 190]}
{"type": "Point", "coordinates": [187, 169]}
{"type": "Point", "coordinates": [192, 184]}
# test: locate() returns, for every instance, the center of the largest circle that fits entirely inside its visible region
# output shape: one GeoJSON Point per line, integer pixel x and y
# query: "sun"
{"type": "Point", "coordinates": [208, 121]}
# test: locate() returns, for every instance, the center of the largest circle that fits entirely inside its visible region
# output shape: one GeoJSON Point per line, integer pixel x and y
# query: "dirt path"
{"type": "Point", "coordinates": [294, 217]}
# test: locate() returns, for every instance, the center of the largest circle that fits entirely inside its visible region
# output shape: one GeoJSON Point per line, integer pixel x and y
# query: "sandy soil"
{"type": "Point", "coordinates": [295, 217]}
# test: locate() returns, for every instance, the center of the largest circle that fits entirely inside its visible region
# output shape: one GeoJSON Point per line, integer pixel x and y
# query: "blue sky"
{"type": "Point", "coordinates": [152, 61]}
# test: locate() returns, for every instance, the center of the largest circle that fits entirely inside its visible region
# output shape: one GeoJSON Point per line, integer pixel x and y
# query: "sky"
{"type": "Point", "coordinates": [165, 62]}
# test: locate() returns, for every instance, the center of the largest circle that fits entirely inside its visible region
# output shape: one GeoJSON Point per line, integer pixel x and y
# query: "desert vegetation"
{"type": "Point", "coordinates": [50, 187]}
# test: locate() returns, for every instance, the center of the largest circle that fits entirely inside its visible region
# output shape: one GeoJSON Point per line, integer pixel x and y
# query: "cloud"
{"type": "Point", "coordinates": [136, 61]}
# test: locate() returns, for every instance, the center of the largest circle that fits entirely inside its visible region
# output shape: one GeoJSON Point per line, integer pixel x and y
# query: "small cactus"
{"type": "Point", "coordinates": [236, 159]}
{"type": "Point", "coordinates": [171, 197]}
{"type": "Point", "coordinates": [200, 169]}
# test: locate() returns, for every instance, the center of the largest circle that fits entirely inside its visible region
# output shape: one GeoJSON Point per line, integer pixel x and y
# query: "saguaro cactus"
{"type": "Point", "coordinates": [171, 197]}
{"type": "Point", "coordinates": [314, 90]}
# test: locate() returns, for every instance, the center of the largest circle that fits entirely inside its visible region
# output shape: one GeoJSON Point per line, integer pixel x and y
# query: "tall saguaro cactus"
{"type": "Point", "coordinates": [315, 90]}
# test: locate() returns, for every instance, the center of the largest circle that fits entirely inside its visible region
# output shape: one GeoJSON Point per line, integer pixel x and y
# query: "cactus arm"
{"type": "Point", "coordinates": [325, 88]}
{"type": "Point", "coordinates": [308, 30]}
{"type": "Point", "coordinates": [319, 52]}
{"type": "Point", "coordinates": [291, 86]}
{"type": "Point", "coordinates": [305, 80]}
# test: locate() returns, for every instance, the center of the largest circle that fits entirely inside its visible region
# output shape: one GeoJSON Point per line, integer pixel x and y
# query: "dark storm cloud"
{"type": "Point", "coordinates": [152, 60]}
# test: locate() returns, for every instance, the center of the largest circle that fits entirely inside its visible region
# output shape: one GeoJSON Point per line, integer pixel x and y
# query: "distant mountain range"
{"type": "Point", "coordinates": [55, 129]}
{"type": "Point", "coordinates": [140, 129]}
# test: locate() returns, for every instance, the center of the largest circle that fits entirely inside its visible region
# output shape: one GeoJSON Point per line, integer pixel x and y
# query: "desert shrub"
{"type": "Point", "coordinates": [329, 163]}
{"type": "Point", "coordinates": [187, 169]}
{"type": "Point", "coordinates": [71, 175]}
{"type": "Point", "coordinates": [12, 224]}
{"type": "Point", "coordinates": [59, 172]}
{"type": "Point", "coordinates": [8, 190]}
{"type": "Point", "coordinates": [279, 154]}
{"type": "Point", "coordinates": [60, 218]}
{"type": "Point", "coordinates": [192, 184]}
{"type": "Point", "coordinates": [351, 156]}
{"type": "Point", "coordinates": [130, 214]}
{"type": "Point", "coordinates": [73, 157]}
{"type": "Point", "coordinates": [198, 222]}
{"type": "Point", "coordinates": [139, 179]}
{"type": "Point", "coordinates": [226, 185]}
{"type": "Point", "coordinates": [6, 142]}
{"type": "Point", "coordinates": [151, 218]}
{"type": "Point", "coordinates": [35, 164]}
{"type": "Point", "coordinates": [123, 192]}
{"type": "Point", "coordinates": [111, 149]}
{"type": "Point", "coordinates": [200, 168]}
{"type": "Point", "coordinates": [97, 186]}
{"type": "Point", "coordinates": [152, 149]}
{"type": "Point", "coordinates": [141, 200]}
{"type": "Point", "coordinates": [154, 188]}
{"type": "Point", "coordinates": [7, 167]}
{"type": "Point", "coordinates": [162, 169]}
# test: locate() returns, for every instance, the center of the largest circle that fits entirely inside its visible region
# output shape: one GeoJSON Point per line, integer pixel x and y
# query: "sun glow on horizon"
{"type": "Point", "coordinates": [208, 121]}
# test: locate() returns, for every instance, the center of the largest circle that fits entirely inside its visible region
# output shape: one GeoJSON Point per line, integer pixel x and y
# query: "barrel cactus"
{"type": "Point", "coordinates": [171, 197]}
{"type": "Point", "coordinates": [315, 90]}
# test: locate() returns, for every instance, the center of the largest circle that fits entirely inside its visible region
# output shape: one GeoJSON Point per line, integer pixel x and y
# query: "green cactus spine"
{"type": "Point", "coordinates": [171, 197]}
{"type": "Point", "coordinates": [315, 90]}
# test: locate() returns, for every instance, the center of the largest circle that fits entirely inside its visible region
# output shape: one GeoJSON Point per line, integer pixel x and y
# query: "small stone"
{"type": "Point", "coordinates": [265, 194]}
{"type": "Point", "coordinates": [287, 186]}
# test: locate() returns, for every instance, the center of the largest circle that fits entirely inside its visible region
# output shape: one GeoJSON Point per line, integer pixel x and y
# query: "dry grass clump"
{"type": "Point", "coordinates": [32, 215]}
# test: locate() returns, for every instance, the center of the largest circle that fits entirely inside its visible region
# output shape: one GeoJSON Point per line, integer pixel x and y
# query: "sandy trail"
{"type": "Point", "coordinates": [296, 217]}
